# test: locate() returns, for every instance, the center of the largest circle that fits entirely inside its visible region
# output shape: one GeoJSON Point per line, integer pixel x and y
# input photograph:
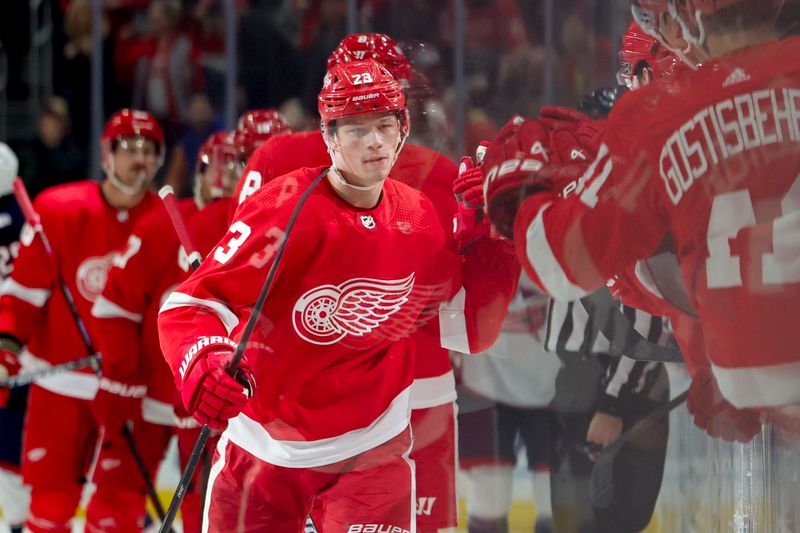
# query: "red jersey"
{"type": "Point", "coordinates": [127, 311]}
{"type": "Point", "coordinates": [720, 174]}
{"type": "Point", "coordinates": [470, 322]}
{"type": "Point", "coordinates": [331, 355]}
{"type": "Point", "coordinates": [84, 232]}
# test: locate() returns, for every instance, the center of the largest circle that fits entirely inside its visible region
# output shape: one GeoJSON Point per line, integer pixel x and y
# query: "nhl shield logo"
{"type": "Point", "coordinates": [368, 221]}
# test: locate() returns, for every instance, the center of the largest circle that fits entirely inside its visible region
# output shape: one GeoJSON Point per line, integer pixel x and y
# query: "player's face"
{"type": "Point", "coordinates": [219, 178]}
{"type": "Point", "coordinates": [135, 160]}
{"type": "Point", "coordinates": [365, 147]}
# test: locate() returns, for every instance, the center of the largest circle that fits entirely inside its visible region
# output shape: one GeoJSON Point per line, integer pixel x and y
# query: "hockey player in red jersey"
{"type": "Point", "coordinates": [433, 393]}
{"type": "Point", "coordinates": [126, 312]}
{"type": "Point", "coordinates": [699, 173]}
{"type": "Point", "coordinates": [85, 223]}
{"type": "Point", "coordinates": [328, 370]}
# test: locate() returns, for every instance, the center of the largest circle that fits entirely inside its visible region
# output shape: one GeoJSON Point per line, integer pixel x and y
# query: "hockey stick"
{"type": "Point", "coordinates": [167, 195]}
{"type": "Point", "coordinates": [127, 432]}
{"type": "Point", "coordinates": [20, 380]}
{"type": "Point", "coordinates": [35, 222]}
{"type": "Point", "coordinates": [601, 482]}
{"type": "Point", "coordinates": [205, 431]}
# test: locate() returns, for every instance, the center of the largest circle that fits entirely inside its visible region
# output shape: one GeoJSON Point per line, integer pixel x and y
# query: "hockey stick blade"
{"type": "Point", "coordinates": [205, 431]}
{"type": "Point", "coordinates": [20, 380]}
{"type": "Point", "coordinates": [601, 482]}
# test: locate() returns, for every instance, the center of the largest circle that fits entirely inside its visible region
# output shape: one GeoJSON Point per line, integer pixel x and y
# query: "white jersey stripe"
{"type": "Point", "coordinates": [544, 263]}
{"type": "Point", "coordinates": [35, 297]}
{"type": "Point", "coordinates": [254, 438]}
{"type": "Point", "coordinates": [760, 386]}
{"type": "Point", "coordinates": [453, 324]}
{"type": "Point", "coordinates": [430, 392]}
{"type": "Point", "coordinates": [105, 308]}
{"type": "Point", "coordinates": [180, 299]}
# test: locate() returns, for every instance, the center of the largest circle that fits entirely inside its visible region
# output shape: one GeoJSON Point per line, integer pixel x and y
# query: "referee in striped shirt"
{"type": "Point", "coordinates": [600, 392]}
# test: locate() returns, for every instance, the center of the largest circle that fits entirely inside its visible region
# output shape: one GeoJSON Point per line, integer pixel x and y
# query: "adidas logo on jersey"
{"type": "Point", "coordinates": [739, 75]}
{"type": "Point", "coordinates": [577, 154]}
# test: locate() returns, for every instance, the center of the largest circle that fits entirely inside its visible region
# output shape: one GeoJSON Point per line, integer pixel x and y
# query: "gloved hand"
{"type": "Point", "coordinates": [468, 186]}
{"type": "Point", "coordinates": [715, 415]}
{"type": "Point", "coordinates": [470, 223]}
{"type": "Point", "coordinates": [529, 157]}
{"type": "Point", "coordinates": [9, 365]}
{"type": "Point", "coordinates": [210, 393]}
{"type": "Point", "coordinates": [118, 401]}
{"type": "Point", "coordinates": [587, 132]}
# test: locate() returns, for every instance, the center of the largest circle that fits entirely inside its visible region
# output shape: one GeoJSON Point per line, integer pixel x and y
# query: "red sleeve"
{"type": "Point", "coordinates": [212, 306]}
{"type": "Point", "coordinates": [570, 247]}
{"type": "Point", "coordinates": [471, 321]}
{"type": "Point", "coordinates": [26, 292]}
{"type": "Point", "coordinates": [134, 278]}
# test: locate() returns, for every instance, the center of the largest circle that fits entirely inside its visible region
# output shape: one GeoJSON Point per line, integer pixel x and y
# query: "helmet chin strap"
{"type": "Point", "coordinates": [691, 40]}
{"type": "Point", "coordinates": [648, 25]}
{"type": "Point", "coordinates": [130, 190]}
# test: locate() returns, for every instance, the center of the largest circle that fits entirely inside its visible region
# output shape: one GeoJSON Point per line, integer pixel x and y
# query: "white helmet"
{"type": "Point", "coordinates": [9, 166]}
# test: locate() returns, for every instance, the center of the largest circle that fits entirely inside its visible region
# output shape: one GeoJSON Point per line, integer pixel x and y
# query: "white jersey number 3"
{"type": "Point", "coordinates": [240, 232]}
{"type": "Point", "coordinates": [733, 211]}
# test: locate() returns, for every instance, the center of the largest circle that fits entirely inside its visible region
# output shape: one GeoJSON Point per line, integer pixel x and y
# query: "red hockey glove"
{"type": "Point", "coordinates": [118, 401]}
{"type": "Point", "coordinates": [470, 223]}
{"type": "Point", "coordinates": [9, 365]}
{"type": "Point", "coordinates": [527, 158]}
{"type": "Point", "coordinates": [587, 132]}
{"type": "Point", "coordinates": [210, 393]}
{"type": "Point", "coordinates": [468, 186]}
{"type": "Point", "coordinates": [715, 415]}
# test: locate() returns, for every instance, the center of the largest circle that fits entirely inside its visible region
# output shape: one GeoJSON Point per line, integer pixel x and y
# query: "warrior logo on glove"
{"type": "Point", "coordinates": [326, 314]}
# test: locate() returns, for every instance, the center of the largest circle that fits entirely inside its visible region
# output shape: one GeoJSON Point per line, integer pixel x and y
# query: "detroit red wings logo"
{"type": "Point", "coordinates": [91, 276]}
{"type": "Point", "coordinates": [326, 314]}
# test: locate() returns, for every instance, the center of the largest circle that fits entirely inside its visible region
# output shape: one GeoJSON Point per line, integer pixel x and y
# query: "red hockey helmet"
{"type": "Point", "coordinates": [647, 15]}
{"type": "Point", "coordinates": [377, 46]}
{"type": "Point", "coordinates": [639, 47]}
{"type": "Point", "coordinates": [133, 123]}
{"type": "Point", "coordinates": [256, 126]}
{"type": "Point", "coordinates": [361, 88]}
{"type": "Point", "coordinates": [218, 167]}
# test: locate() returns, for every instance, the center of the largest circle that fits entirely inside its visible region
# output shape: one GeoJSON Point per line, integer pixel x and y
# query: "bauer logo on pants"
{"type": "Point", "coordinates": [325, 314]}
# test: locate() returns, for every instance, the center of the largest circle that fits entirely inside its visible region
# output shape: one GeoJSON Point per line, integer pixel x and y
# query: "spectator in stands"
{"type": "Point", "coordinates": [165, 73]}
{"type": "Point", "coordinates": [202, 122]}
{"type": "Point", "coordinates": [53, 157]}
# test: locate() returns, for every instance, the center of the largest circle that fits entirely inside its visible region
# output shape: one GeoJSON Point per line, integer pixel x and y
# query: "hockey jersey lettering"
{"type": "Point", "coordinates": [720, 175]}
{"type": "Point", "coordinates": [726, 129]}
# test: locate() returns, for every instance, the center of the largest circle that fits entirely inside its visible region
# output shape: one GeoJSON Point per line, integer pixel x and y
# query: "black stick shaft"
{"type": "Point", "coordinates": [205, 431]}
